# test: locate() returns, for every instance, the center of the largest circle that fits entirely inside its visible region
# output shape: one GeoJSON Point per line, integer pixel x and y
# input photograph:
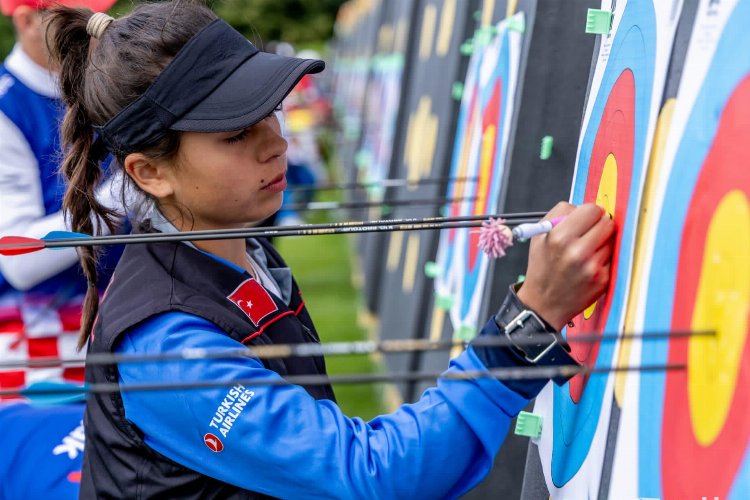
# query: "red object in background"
{"type": "Point", "coordinates": [9, 6]}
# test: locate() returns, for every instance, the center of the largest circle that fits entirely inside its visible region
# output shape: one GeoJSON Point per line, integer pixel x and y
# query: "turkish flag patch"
{"type": "Point", "coordinates": [253, 300]}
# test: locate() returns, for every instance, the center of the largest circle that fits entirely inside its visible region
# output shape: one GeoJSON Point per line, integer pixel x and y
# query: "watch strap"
{"type": "Point", "coordinates": [532, 338]}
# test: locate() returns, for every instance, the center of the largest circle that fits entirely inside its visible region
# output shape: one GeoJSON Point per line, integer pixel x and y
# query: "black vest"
{"type": "Point", "coordinates": [157, 278]}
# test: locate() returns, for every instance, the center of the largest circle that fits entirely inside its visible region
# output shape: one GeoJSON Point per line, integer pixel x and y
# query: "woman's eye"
{"type": "Point", "coordinates": [237, 138]}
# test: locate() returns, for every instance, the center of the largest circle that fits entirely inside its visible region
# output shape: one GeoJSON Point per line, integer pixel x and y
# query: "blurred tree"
{"type": "Point", "coordinates": [300, 22]}
{"type": "Point", "coordinates": [7, 37]}
{"type": "Point", "coordinates": [303, 23]}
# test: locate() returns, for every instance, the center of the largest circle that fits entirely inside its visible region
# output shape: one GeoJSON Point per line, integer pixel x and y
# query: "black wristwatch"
{"type": "Point", "coordinates": [532, 338]}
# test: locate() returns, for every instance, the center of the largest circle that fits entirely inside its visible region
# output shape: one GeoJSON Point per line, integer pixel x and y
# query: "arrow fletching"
{"type": "Point", "coordinates": [63, 235]}
{"type": "Point", "coordinates": [19, 245]}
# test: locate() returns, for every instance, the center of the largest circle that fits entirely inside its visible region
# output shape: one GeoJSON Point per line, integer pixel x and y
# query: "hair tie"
{"type": "Point", "coordinates": [98, 23]}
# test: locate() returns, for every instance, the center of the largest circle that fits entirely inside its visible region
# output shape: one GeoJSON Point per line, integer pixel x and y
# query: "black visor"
{"type": "Point", "coordinates": [218, 82]}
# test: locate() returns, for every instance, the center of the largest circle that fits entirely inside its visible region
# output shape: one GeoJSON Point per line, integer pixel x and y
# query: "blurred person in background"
{"type": "Point", "coordinates": [41, 294]}
{"type": "Point", "coordinates": [305, 110]}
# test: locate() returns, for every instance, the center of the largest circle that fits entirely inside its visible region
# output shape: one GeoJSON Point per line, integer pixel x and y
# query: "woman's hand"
{"type": "Point", "coordinates": [569, 267]}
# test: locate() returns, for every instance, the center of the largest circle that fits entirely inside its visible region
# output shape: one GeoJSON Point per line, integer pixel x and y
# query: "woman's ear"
{"type": "Point", "coordinates": [153, 177]}
{"type": "Point", "coordinates": [29, 28]}
{"type": "Point", "coordinates": [24, 18]}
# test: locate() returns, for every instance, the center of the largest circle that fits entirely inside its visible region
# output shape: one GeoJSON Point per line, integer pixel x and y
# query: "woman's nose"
{"type": "Point", "coordinates": [274, 143]}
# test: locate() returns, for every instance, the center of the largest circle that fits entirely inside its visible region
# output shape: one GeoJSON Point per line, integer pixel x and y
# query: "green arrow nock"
{"type": "Point", "coordinates": [529, 425]}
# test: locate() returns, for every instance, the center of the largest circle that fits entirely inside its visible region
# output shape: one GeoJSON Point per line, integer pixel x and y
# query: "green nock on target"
{"type": "Point", "coordinates": [457, 91]}
{"type": "Point", "coordinates": [599, 22]}
{"type": "Point", "coordinates": [465, 333]}
{"type": "Point", "coordinates": [529, 425]}
{"type": "Point", "coordinates": [517, 24]}
{"type": "Point", "coordinates": [484, 35]}
{"type": "Point", "coordinates": [431, 269]}
{"type": "Point", "coordinates": [545, 152]}
{"type": "Point", "coordinates": [444, 302]}
{"type": "Point", "coordinates": [467, 48]}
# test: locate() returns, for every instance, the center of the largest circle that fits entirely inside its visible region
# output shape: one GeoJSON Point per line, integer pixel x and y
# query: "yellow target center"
{"type": "Point", "coordinates": [721, 305]}
{"type": "Point", "coordinates": [606, 197]}
{"type": "Point", "coordinates": [485, 169]}
{"type": "Point", "coordinates": [445, 34]}
{"type": "Point", "coordinates": [421, 141]}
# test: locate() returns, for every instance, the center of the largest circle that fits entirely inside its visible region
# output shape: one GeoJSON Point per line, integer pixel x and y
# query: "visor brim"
{"type": "Point", "coordinates": [249, 94]}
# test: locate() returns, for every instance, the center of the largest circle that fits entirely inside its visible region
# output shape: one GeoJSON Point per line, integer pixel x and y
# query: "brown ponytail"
{"type": "Point", "coordinates": [81, 163]}
{"type": "Point", "coordinates": [97, 80]}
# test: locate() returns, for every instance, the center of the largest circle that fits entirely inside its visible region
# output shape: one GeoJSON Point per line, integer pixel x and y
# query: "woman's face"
{"type": "Point", "coordinates": [229, 179]}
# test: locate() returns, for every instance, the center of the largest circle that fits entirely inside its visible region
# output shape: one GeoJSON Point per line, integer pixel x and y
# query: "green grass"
{"type": "Point", "coordinates": [322, 267]}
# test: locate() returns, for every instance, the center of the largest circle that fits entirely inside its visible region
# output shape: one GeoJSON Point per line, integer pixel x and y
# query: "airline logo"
{"type": "Point", "coordinates": [234, 403]}
{"type": "Point", "coordinates": [253, 300]}
{"type": "Point", "coordinates": [214, 444]}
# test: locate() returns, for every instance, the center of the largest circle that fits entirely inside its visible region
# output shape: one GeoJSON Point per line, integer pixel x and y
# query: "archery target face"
{"type": "Point", "coordinates": [496, 78]}
{"type": "Point", "coordinates": [479, 154]}
{"type": "Point", "coordinates": [382, 102]}
{"type": "Point", "coordinates": [610, 167]}
{"type": "Point", "coordinates": [694, 427]}
{"type": "Point", "coordinates": [468, 133]}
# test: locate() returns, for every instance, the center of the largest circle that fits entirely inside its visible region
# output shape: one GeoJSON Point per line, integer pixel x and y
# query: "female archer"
{"type": "Point", "coordinates": [187, 105]}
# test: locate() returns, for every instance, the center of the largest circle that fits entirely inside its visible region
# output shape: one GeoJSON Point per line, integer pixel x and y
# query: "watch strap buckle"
{"type": "Point", "coordinates": [517, 323]}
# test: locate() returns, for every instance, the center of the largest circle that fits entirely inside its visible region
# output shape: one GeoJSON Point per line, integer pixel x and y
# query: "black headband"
{"type": "Point", "coordinates": [201, 66]}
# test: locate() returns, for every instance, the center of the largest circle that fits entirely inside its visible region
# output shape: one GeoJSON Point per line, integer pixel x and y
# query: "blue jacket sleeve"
{"type": "Point", "coordinates": [278, 440]}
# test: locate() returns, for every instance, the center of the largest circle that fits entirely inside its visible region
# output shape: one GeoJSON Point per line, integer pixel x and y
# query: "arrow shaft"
{"type": "Point", "coordinates": [337, 205]}
{"type": "Point", "coordinates": [533, 372]}
{"type": "Point", "coordinates": [263, 232]}
{"type": "Point", "coordinates": [10, 245]}
{"type": "Point", "coordinates": [386, 183]}
{"type": "Point", "coordinates": [280, 351]}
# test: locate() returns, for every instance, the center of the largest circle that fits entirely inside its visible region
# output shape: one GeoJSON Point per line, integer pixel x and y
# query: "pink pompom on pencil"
{"type": "Point", "coordinates": [495, 237]}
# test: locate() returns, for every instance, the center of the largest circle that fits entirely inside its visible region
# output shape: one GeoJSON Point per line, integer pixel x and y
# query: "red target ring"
{"type": "Point", "coordinates": [491, 128]}
{"type": "Point", "coordinates": [616, 138]}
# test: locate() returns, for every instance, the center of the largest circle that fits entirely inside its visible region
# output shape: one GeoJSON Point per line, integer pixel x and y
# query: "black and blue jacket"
{"type": "Point", "coordinates": [242, 440]}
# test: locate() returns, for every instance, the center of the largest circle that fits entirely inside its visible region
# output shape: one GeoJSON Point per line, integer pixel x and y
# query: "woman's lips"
{"type": "Point", "coordinates": [277, 184]}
